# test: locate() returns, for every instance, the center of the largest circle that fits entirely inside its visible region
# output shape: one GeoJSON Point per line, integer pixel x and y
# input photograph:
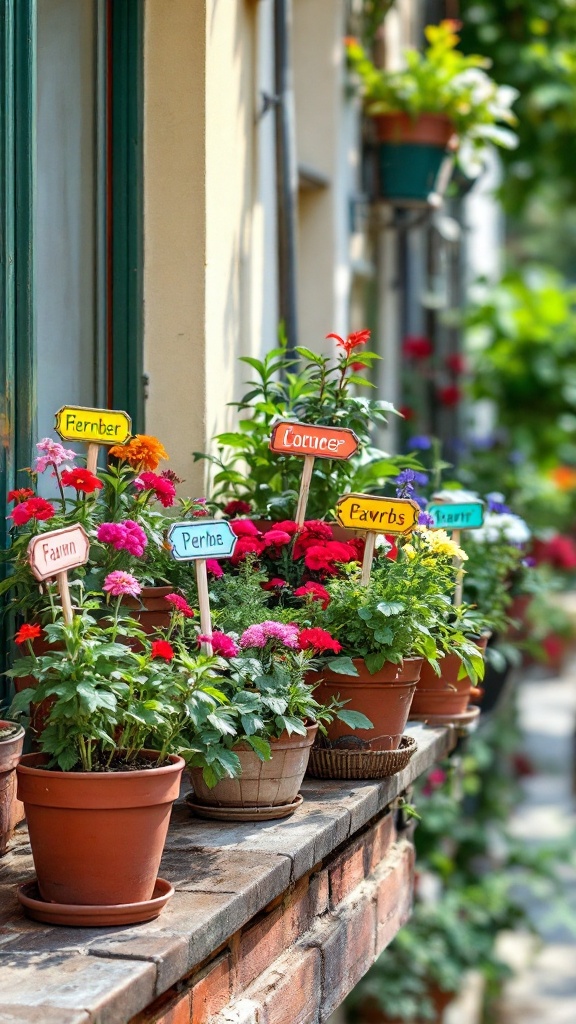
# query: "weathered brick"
{"type": "Point", "coordinates": [177, 1012]}
{"type": "Point", "coordinates": [348, 949]}
{"type": "Point", "coordinates": [291, 990]}
{"type": "Point", "coordinates": [274, 933]}
{"type": "Point", "coordinates": [211, 989]}
{"type": "Point", "coordinates": [395, 893]}
{"type": "Point", "coordinates": [359, 858]}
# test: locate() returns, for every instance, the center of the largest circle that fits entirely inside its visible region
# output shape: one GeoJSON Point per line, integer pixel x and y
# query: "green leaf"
{"type": "Point", "coordinates": [355, 719]}
{"type": "Point", "coordinates": [343, 666]}
{"type": "Point", "coordinates": [260, 747]}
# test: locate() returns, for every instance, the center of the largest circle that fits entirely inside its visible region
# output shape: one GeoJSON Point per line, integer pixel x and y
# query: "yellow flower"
{"type": "Point", "coordinates": [408, 550]}
{"type": "Point", "coordinates": [440, 544]}
{"type": "Point", "coordinates": [143, 452]}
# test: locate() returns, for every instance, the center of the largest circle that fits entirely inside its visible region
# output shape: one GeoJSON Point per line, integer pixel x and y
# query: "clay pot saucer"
{"type": "Point", "coordinates": [464, 718]}
{"type": "Point", "coordinates": [78, 916]}
{"type": "Point", "coordinates": [220, 813]}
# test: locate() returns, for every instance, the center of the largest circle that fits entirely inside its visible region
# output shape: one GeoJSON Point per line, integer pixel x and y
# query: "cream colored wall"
{"type": "Point", "coordinates": [175, 229]}
{"type": "Point", "coordinates": [318, 88]}
{"type": "Point", "coordinates": [209, 248]}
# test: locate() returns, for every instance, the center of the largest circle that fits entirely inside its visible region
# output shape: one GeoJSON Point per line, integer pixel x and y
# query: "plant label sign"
{"type": "Point", "coordinates": [206, 538]}
{"type": "Point", "coordinates": [303, 439]}
{"type": "Point", "coordinates": [58, 551]}
{"type": "Point", "coordinates": [467, 515]}
{"type": "Point", "coordinates": [376, 514]}
{"type": "Point", "coordinates": [93, 426]}
{"type": "Point", "coordinates": [195, 542]}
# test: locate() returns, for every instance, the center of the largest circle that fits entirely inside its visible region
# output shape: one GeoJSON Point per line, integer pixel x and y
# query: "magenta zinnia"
{"type": "Point", "coordinates": [118, 583]}
{"type": "Point", "coordinates": [259, 634]}
{"type": "Point", "coordinates": [180, 604]}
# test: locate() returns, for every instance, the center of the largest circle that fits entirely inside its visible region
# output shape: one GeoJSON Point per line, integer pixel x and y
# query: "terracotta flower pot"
{"type": "Point", "coordinates": [262, 783]}
{"type": "Point", "coordinates": [97, 837]}
{"type": "Point", "coordinates": [152, 609]}
{"type": "Point", "coordinates": [11, 809]}
{"type": "Point", "coordinates": [385, 698]}
{"type": "Point", "coordinates": [445, 694]}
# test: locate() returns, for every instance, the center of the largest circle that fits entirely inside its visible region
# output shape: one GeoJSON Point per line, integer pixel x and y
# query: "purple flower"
{"type": "Point", "coordinates": [425, 519]}
{"type": "Point", "coordinates": [420, 443]}
{"type": "Point", "coordinates": [420, 500]}
{"type": "Point", "coordinates": [405, 483]}
{"type": "Point", "coordinates": [118, 583]}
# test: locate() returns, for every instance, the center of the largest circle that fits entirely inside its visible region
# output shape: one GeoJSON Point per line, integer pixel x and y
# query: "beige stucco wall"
{"type": "Point", "coordinates": [207, 273]}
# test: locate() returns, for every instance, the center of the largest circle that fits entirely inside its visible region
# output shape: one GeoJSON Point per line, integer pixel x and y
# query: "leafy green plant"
{"type": "Point", "coordinates": [442, 80]}
{"type": "Point", "coordinates": [405, 610]}
{"type": "Point", "coordinates": [309, 388]}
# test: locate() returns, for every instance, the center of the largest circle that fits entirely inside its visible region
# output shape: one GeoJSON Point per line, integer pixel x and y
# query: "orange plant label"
{"type": "Point", "coordinates": [58, 550]}
{"type": "Point", "coordinates": [290, 438]}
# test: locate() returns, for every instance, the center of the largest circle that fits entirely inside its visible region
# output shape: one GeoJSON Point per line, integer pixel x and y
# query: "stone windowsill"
{"type": "Point", "coordinates": [224, 875]}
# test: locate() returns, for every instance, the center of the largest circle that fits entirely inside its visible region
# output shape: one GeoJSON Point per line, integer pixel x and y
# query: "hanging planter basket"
{"type": "Point", "coordinates": [410, 153]}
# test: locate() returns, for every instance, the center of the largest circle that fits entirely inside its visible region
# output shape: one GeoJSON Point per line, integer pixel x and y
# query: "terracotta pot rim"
{"type": "Point", "coordinates": [176, 762]}
{"type": "Point", "coordinates": [284, 740]}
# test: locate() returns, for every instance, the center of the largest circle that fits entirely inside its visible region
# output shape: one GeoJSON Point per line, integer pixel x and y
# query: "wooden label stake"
{"type": "Point", "coordinates": [373, 515]}
{"type": "Point", "coordinates": [311, 442]}
{"type": "Point", "coordinates": [196, 542]}
{"type": "Point", "coordinates": [53, 554]}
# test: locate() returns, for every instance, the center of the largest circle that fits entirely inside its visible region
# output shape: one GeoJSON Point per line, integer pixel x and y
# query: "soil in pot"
{"type": "Point", "coordinates": [273, 783]}
{"type": "Point", "coordinates": [11, 809]}
{"type": "Point", "coordinates": [385, 698]}
{"type": "Point", "coordinates": [97, 838]}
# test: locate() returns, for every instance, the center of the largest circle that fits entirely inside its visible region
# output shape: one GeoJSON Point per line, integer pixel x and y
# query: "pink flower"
{"type": "Point", "coordinates": [118, 583]}
{"type": "Point", "coordinates": [436, 778]}
{"type": "Point", "coordinates": [164, 490]}
{"type": "Point", "coordinates": [246, 546]}
{"type": "Point", "coordinates": [214, 568]}
{"type": "Point", "coordinates": [222, 644]}
{"type": "Point", "coordinates": [180, 604]}
{"type": "Point", "coordinates": [52, 454]}
{"type": "Point", "coordinates": [288, 526]}
{"type": "Point", "coordinates": [259, 634]}
{"type": "Point", "coordinates": [126, 536]}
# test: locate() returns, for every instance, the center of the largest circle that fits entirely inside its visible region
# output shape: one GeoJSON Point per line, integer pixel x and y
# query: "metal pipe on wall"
{"type": "Point", "coordinates": [286, 172]}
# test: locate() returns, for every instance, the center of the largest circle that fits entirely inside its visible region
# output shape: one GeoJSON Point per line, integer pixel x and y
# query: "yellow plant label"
{"type": "Point", "coordinates": [93, 426]}
{"type": "Point", "coordinates": [381, 515]}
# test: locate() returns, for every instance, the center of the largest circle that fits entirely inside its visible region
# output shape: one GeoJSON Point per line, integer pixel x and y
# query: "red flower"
{"type": "Point", "coordinates": [358, 366]}
{"type": "Point", "coordinates": [274, 584]}
{"type": "Point", "coordinates": [318, 640]}
{"type": "Point", "coordinates": [314, 531]}
{"type": "Point", "coordinates": [245, 528]}
{"type": "Point", "coordinates": [275, 540]}
{"type": "Point", "coordinates": [246, 546]}
{"type": "Point", "coordinates": [237, 508]}
{"type": "Point", "coordinates": [27, 632]}
{"type": "Point", "coordinates": [456, 362]}
{"type": "Point", "coordinates": [180, 604]}
{"type": "Point", "coordinates": [162, 649]}
{"type": "Point", "coordinates": [559, 551]}
{"type": "Point", "coordinates": [288, 526]}
{"type": "Point", "coordinates": [352, 341]}
{"type": "Point", "coordinates": [214, 568]}
{"type": "Point", "coordinates": [407, 412]}
{"type": "Point", "coordinates": [33, 508]}
{"type": "Point", "coordinates": [81, 480]}
{"type": "Point", "coordinates": [325, 558]}
{"type": "Point", "coordinates": [392, 552]}
{"type": "Point", "coordinates": [416, 347]}
{"type": "Point", "coordinates": [450, 395]}
{"type": "Point", "coordinates": [315, 591]}
{"type": "Point", "coordinates": [21, 494]}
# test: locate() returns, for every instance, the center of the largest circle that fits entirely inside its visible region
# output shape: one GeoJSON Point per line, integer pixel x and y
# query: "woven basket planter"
{"type": "Point", "coordinates": [325, 763]}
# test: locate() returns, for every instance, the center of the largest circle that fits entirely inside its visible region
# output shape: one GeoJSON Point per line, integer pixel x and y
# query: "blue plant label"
{"type": "Point", "coordinates": [467, 515]}
{"type": "Point", "coordinates": [206, 538]}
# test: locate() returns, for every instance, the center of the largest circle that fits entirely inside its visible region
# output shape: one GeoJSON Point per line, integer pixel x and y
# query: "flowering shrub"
{"type": "Point", "coordinates": [311, 388]}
